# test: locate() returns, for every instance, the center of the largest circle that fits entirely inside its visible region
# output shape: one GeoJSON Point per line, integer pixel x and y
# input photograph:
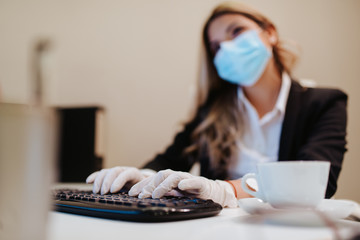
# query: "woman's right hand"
{"type": "Point", "coordinates": [114, 179]}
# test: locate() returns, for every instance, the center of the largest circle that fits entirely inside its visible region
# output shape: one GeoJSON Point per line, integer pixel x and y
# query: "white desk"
{"type": "Point", "coordinates": [229, 224]}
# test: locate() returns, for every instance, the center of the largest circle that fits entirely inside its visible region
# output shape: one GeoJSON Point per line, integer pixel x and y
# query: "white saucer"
{"type": "Point", "coordinates": [333, 209]}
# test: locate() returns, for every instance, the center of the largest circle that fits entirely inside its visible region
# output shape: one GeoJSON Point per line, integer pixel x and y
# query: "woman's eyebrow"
{"type": "Point", "coordinates": [231, 26]}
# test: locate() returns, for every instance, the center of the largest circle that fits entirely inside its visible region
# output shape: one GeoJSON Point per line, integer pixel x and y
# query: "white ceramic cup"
{"type": "Point", "coordinates": [290, 184]}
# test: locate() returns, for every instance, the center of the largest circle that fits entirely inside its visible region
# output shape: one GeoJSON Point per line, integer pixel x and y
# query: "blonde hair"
{"type": "Point", "coordinates": [220, 128]}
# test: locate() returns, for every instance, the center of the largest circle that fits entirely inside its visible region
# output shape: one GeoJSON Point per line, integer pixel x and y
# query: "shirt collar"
{"type": "Point", "coordinates": [284, 93]}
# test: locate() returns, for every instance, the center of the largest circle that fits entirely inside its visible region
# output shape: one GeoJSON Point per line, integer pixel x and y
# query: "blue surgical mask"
{"type": "Point", "coordinates": [242, 60]}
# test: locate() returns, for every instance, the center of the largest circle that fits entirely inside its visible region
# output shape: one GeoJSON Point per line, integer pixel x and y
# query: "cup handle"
{"type": "Point", "coordinates": [246, 188]}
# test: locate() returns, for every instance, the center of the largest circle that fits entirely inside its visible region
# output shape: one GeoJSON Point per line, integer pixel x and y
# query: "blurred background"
{"type": "Point", "coordinates": [138, 60]}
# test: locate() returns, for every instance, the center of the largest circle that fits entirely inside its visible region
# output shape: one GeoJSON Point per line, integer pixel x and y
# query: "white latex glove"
{"type": "Point", "coordinates": [165, 181]}
{"type": "Point", "coordinates": [114, 179]}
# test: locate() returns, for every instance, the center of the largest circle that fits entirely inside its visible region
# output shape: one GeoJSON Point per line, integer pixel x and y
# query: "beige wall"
{"type": "Point", "coordinates": [139, 59]}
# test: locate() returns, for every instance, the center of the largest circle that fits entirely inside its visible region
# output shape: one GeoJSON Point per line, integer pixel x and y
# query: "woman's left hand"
{"type": "Point", "coordinates": [168, 180]}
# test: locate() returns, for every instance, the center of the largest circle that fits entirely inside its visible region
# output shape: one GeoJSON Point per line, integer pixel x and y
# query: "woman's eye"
{"type": "Point", "coordinates": [236, 31]}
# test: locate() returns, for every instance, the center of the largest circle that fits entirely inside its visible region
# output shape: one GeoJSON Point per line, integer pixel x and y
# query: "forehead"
{"type": "Point", "coordinates": [218, 27]}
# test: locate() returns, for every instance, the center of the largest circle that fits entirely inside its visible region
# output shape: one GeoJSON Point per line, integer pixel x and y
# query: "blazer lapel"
{"type": "Point", "coordinates": [288, 131]}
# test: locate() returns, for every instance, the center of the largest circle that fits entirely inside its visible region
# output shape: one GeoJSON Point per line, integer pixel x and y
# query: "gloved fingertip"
{"type": "Point", "coordinates": [144, 195]}
{"type": "Point", "coordinates": [97, 186]}
{"type": "Point", "coordinates": [114, 188]}
{"type": "Point", "coordinates": [91, 178]}
{"type": "Point", "coordinates": [156, 194]}
{"type": "Point", "coordinates": [134, 190]}
{"type": "Point", "coordinates": [183, 184]}
{"type": "Point", "coordinates": [132, 193]}
{"type": "Point", "coordinates": [105, 188]}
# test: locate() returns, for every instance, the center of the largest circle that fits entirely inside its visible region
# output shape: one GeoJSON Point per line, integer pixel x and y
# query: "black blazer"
{"type": "Point", "coordinates": [314, 128]}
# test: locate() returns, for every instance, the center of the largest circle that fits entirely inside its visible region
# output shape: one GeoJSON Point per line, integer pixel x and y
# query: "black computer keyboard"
{"type": "Point", "coordinates": [123, 207]}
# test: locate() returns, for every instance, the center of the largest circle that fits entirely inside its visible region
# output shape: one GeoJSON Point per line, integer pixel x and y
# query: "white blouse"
{"type": "Point", "coordinates": [261, 136]}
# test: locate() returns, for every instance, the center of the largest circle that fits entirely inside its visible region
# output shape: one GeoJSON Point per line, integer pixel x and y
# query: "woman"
{"type": "Point", "coordinates": [249, 110]}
